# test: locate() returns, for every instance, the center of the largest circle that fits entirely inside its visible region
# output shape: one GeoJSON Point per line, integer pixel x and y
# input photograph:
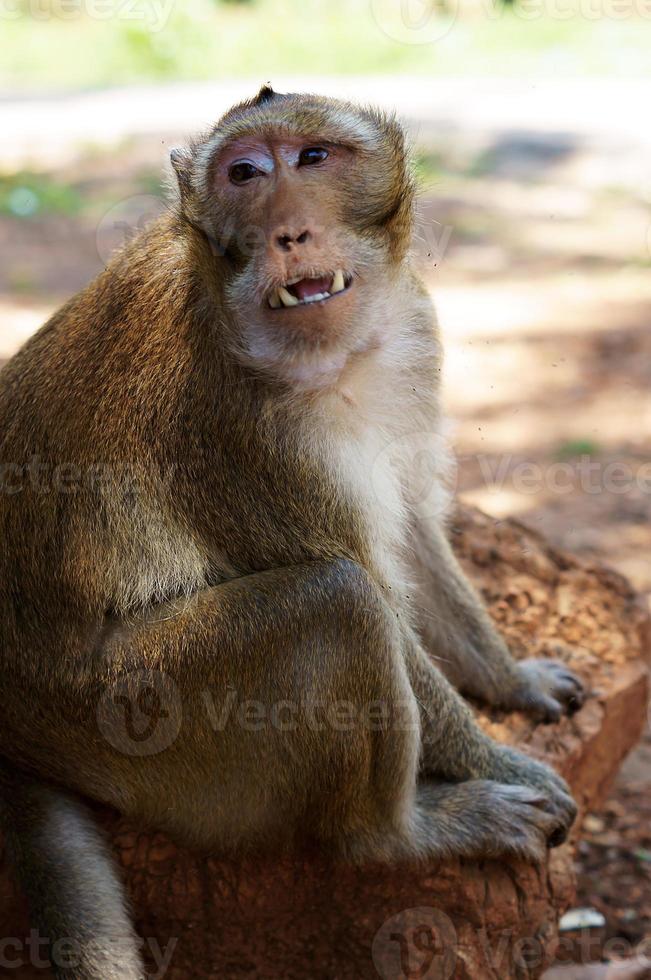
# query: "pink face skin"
{"type": "Point", "coordinates": [304, 283]}
{"type": "Point", "coordinates": [289, 185]}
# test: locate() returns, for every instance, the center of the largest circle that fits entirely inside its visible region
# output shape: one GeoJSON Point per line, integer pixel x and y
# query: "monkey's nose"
{"type": "Point", "coordinates": [286, 241]}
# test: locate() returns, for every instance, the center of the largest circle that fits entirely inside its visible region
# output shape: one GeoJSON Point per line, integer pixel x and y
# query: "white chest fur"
{"type": "Point", "coordinates": [370, 430]}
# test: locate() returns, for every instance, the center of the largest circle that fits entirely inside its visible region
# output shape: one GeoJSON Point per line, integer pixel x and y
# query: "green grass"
{"type": "Point", "coordinates": [28, 195]}
{"type": "Point", "coordinates": [204, 39]}
{"type": "Point", "coordinates": [577, 447]}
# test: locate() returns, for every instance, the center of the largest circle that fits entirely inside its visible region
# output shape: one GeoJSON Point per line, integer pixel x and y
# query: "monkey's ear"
{"type": "Point", "coordinates": [181, 161]}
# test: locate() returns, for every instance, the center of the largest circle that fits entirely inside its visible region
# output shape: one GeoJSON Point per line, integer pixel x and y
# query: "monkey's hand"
{"type": "Point", "coordinates": [545, 689]}
{"type": "Point", "coordinates": [513, 767]}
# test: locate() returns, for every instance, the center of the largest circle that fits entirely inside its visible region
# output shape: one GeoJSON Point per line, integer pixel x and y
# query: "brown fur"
{"type": "Point", "coordinates": [205, 494]}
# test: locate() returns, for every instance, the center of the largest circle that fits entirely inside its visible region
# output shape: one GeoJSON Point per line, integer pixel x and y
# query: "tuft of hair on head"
{"type": "Point", "coordinates": [266, 94]}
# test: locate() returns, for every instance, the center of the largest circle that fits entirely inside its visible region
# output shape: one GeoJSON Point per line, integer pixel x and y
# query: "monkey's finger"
{"type": "Point", "coordinates": [561, 671]}
{"type": "Point", "coordinates": [546, 709]}
{"type": "Point", "coordinates": [551, 832]}
{"type": "Point", "coordinates": [564, 808]}
{"type": "Point", "coordinates": [570, 696]}
{"type": "Point", "coordinates": [577, 687]}
{"type": "Point", "coordinates": [567, 689]}
{"type": "Point", "coordinates": [569, 677]}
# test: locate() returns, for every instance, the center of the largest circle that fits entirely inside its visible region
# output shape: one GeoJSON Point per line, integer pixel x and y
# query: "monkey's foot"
{"type": "Point", "coordinates": [518, 769]}
{"type": "Point", "coordinates": [546, 689]}
{"type": "Point", "coordinates": [481, 818]}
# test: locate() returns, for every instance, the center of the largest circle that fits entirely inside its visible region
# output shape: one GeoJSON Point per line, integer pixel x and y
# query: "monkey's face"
{"type": "Point", "coordinates": [309, 204]}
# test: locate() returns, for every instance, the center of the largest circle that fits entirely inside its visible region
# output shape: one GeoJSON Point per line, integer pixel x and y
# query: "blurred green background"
{"type": "Point", "coordinates": [109, 42]}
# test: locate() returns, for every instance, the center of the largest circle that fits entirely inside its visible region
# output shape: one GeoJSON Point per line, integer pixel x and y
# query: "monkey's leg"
{"type": "Point", "coordinates": [234, 717]}
{"type": "Point", "coordinates": [323, 636]}
{"type": "Point", "coordinates": [260, 701]}
{"type": "Point", "coordinates": [460, 635]}
{"type": "Point", "coordinates": [455, 748]}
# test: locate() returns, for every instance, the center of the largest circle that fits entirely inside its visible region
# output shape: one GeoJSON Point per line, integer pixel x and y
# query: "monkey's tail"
{"type": "Point", "coordinates": [77, 902]}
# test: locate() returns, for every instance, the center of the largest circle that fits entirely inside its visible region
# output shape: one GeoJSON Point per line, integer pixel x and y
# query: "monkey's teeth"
{"type": "Point", "coordinates": [282, 296]}
{"type": "Point", "coordinates": [286, 297]}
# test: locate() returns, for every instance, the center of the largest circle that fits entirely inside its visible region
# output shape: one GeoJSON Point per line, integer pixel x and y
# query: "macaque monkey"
{"type": "Point", "coordinates": [206, 466]}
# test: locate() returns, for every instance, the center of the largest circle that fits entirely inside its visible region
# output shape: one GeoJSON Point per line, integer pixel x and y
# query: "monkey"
{"type": "Point", "coordinates": [206, 458]}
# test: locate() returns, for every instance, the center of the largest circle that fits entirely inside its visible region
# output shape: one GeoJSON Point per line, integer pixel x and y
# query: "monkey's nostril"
{"type": "Point", "coordinates": [286, 241]}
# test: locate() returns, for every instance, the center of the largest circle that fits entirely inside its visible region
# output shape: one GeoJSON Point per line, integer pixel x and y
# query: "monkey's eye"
{"type": "Point", "coordinates": [239, 173]}
{"type": "Point", "coordinates": [311, 155]}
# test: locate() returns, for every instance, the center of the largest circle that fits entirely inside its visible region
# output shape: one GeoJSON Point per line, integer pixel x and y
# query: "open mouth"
{"type": "Point", "coordinates": [311, 289]}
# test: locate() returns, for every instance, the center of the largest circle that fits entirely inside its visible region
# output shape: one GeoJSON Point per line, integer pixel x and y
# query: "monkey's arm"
{"type": "Point", "coordinates": [458, 632]}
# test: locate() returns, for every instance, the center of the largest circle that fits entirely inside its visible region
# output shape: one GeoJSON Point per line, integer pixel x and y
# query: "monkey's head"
{"type": "Point", "coordinates": [307, 203]}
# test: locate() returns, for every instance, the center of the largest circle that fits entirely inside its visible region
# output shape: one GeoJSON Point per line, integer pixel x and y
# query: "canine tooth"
{"type": "Point", "coordinates": [274, 300]}
{"type": "Point", "coordinates": [337, 282]}
{"type": "Point", "coordinates": [286, 298]}
{"type": "Point", "coordinates": [292, 282]}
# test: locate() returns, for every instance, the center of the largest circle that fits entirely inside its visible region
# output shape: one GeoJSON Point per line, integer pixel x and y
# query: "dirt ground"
{"type": "Point", "coordinates": [537, 248]}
